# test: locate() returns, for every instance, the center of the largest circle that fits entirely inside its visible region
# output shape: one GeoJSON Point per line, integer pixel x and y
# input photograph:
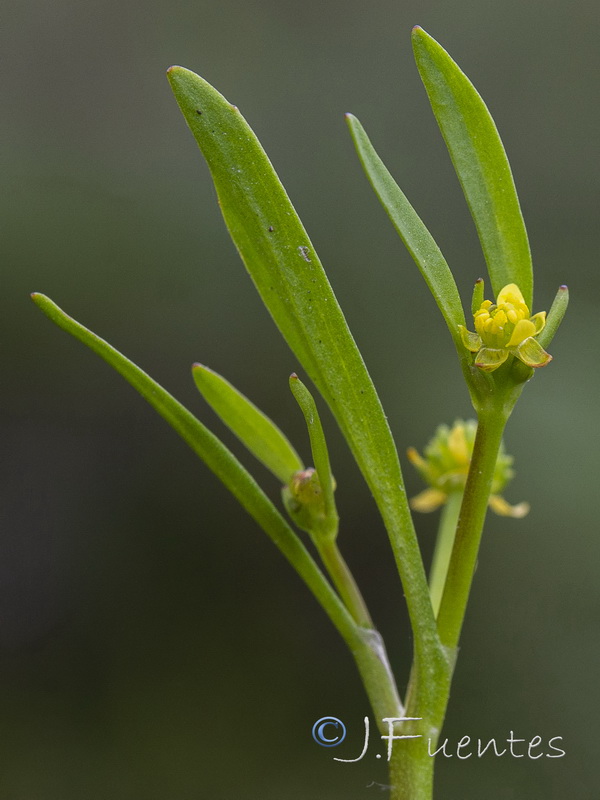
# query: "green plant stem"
{"type": "Point", "coordinates": [491, 424]}
{"type": "Point", "coordinates": [411, 771]}
{"type": "Point", "coordinates": [345, 584]}
{"type": "Point", "coordinates": [411, 766]}
{"type": "Point", "coordinates": [381, 685]}
{"type": "Point", "coordinates": [443, 548]}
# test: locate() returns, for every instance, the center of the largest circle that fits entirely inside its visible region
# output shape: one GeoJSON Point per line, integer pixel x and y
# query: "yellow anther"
{"type": "Point", "coordinates": [500, 317]}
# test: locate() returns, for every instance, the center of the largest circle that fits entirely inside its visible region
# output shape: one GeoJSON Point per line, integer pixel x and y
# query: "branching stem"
{"type": "Point", "coordinates": [443, 548]}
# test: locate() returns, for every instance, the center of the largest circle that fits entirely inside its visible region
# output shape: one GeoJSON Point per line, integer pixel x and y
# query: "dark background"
{"type": "Point", "coordinates": [153, 643]}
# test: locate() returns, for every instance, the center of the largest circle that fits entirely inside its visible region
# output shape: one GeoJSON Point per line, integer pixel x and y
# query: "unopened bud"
{"type": "Point", "coordinates": [304, 501]}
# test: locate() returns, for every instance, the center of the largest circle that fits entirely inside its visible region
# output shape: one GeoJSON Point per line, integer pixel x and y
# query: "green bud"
{"type": "Point", "coordinates": [304, 501]}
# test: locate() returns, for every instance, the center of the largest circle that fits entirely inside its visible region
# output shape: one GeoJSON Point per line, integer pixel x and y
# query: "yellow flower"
{"type": "Point", "coordinates": [504, 329]}
{"type": "Point", "coordinates": [446, 465]}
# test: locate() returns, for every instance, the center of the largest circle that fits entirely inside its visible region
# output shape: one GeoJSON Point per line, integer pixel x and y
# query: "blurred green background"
{"type": "Point", "coordinates": [153, 644]}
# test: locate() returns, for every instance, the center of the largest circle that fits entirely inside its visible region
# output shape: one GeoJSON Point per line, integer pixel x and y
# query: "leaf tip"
{"type": "Point", "coordinates": [293, 377]}
{"type": "Point", "coordinates": [418, 33]}
{"type": "Point", "coordinates": [38, 298]}
{"type": "Point", "coordinates": [421, 40]}
{"type": "Point", "coordinates": [177, 75]}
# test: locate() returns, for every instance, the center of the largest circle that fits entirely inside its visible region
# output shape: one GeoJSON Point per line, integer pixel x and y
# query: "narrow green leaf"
{"type": "Point", "coordinates": [205, 444]}
{"type": "Point", "coordinates": [555, 316]}
{"type": "Point", "coordinates": [318, 444]}
{"type": "Point", "coordinates": [481, 165]}
{"type": "Point", "coordinates": [290, 279]}
{"type": "Point", "coordinates": [365, 645]}
{"type": "Point", "coordinates": [477, 300]}
{"type": "Point", "coordinates": [257, 432]}
{"type": "Point", "coordinates": [419, 242]}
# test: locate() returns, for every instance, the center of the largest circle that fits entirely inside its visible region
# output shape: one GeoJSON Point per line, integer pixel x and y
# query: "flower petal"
{"type": "Point", "coordinates": [500, 506]}
{"type": "Point", "coordinates": [428, 500]}
{"type": "Point", "coordinates": [532, 353]}
{"type": "Point", "coordinates": [472, 341]}
{"type": "Point", "coordinates": [523, 329]}
{"type": "Point", "coordinates": [539, 320]}
{"type": "Point", "coordinates": [510, 294]}
{"type": "Point", "coordinates": [488, 358]}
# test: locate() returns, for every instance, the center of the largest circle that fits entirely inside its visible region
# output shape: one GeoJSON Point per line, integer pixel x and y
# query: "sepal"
{"type": "Point", "coordinates": [489, 359]}
{"type": "Point", "coordinates": [500, 506]}
{"type": "Point", "coordinates": [428, 500]}
{"type": "Point", "coordinates": [532, 353]}
{"type": "Point", "coordinates": [472, 341]}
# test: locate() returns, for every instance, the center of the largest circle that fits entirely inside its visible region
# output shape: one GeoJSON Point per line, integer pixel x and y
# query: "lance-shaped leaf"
{"type": "Point", "coordinates": [366, 645]}
{"type": "Point", "coordinates": [257, 432]}
{"type": "Point", "coordinates": [286, 270]}
{"type": "Point", "coordinates": [413, 232]}
{"type": "Point", "coordinates": [481, 165]}
{"type": "Point", "coordinates": [555, 316]}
